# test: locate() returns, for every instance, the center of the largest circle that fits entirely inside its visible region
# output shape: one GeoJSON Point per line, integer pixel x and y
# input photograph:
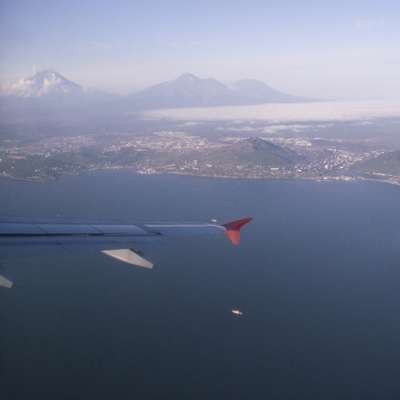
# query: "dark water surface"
{"type": "Point", "coordinates": [317, 277]}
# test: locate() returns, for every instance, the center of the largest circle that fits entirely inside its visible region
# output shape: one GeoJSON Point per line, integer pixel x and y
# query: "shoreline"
{"type": "Point", "coordinates": [327, 179]}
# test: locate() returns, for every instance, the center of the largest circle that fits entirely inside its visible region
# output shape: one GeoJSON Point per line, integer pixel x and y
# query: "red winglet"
{"type": "Point", "coordinates": [233, 229]}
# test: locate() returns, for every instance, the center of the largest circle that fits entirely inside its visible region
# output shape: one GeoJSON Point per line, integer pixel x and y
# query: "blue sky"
{"type": "Point", "coordinates": [345, 49]}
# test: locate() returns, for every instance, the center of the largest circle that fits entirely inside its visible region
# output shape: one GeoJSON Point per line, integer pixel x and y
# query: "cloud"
{"type": "Point", "coordinates": [285, 113]}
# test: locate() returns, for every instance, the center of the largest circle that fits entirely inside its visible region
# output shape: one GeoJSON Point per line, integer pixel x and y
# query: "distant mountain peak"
{"type": "Point", "coordinates": [44, 83]}
{"type": "Point", "coordinates": [47, 73]}
{"type": "Point", "coordinates": [188, 77]}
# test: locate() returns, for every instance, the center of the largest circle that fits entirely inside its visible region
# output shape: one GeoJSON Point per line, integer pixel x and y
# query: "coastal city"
{"type": "Point", "coordinates": [178, 152]}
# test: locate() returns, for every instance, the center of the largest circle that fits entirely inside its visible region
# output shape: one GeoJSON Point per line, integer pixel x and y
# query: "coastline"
{"type": "Point", "coordinates": [325, 179]}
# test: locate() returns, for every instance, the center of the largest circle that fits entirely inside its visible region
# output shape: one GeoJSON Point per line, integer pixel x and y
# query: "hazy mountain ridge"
{"type": "Point", "coordinates": [187, 90]}
{"type": "Point", "coordinates": [252, 91]}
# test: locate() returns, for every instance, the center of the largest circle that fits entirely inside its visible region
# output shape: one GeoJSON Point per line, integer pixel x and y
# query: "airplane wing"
{"type": "Point", "coordinates": [117, 241]}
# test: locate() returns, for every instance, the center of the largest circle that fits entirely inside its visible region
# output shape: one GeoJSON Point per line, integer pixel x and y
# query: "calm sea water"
{"type": "Point", "coordinates": [317, 277]}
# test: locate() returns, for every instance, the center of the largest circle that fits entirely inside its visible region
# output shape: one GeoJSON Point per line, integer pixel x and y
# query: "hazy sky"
{"type": "Point", "coordinates": [346, 49]}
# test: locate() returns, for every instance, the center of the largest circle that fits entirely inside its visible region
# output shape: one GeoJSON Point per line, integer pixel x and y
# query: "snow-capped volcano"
{"type": "Point", "coordinates": [44, 83]}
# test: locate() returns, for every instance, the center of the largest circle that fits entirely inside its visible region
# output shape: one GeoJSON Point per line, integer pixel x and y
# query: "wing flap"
{"type": "Point", "coordinates": [4, 282]}
{"type": "Point", "coordinates": [129, 256]}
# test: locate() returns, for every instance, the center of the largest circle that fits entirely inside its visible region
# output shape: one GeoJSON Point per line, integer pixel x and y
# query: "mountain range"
{"type": "Point", "coordinates": [187, 90]}
{"type": "Point", "coordinates": [49, 103]}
